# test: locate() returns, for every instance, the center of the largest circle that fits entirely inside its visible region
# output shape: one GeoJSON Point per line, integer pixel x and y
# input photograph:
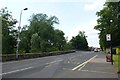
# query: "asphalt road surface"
{"type": "Point", "coordinates": [70, 65]}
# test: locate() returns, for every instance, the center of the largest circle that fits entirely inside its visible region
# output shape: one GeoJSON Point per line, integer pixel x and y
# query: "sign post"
{"type": "Point", "coordinates": [108, 38]}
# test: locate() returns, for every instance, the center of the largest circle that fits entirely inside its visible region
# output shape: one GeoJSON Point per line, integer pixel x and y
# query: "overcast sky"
{"type": "Point", "coordinates": [74, 15]}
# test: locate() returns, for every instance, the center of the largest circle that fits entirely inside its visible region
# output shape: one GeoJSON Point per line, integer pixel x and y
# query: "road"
{"type": "Point", "coordinates": [72, 65]}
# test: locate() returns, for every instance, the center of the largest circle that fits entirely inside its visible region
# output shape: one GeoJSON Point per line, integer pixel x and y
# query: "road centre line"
{"type": "Point", "coordinates": [16, 71]}
{"type": "Point", "coordinates": [54, 62]}
{"type": "Point", "coordinates": [84, 63]}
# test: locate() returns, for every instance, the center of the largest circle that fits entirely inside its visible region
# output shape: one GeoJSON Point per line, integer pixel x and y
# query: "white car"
{"type": "Point", "coordinates": [96, 50]}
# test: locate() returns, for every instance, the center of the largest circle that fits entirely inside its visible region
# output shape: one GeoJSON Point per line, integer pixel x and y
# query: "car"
{"type": "Point", "coordinates": [96, 50]}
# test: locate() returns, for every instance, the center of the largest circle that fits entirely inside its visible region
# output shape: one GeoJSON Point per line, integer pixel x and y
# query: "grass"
{"type": "Point", "coordinates": [116, 59]}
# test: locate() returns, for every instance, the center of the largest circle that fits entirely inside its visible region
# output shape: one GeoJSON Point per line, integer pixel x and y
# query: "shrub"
{"type": "Point", "coordinates": [34, 50]}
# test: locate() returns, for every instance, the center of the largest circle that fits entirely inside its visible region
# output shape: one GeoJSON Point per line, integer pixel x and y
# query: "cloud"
{"type": "Point", "coordinates": [112, 0]}
{"type": "Point", "coordinates": [88, 28]}
{"type": "Point", "coordinates": [94, 5]}
{"type": "Point", "coordinates": [24, 1]}
{"type": "Point", "coordinates": [41, 1]}
{"type": "Point", "coordinates": [1, 5]}
{"type": "Point", "coordinates": [92, 35]}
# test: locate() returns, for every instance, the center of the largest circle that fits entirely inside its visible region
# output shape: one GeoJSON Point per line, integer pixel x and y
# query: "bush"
{"type": "Point", "coordinates": [51, 49]}
{"type": "Point", "coordinates": [21, 52]}
{"type": "Point", "coordinates": [34, 50]}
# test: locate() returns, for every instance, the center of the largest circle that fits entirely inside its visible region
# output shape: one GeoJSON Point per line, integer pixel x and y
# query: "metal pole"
{"type": "Point", "coordinates": [111, 51]}
{"type": "Point", "coordinates": [18, 39]}
{"type": "Point", "coordinates": [0, 36]}
{"type": "Point", "coordinates": [17, 50]}
{"type": "Point", "coordinates": [111, 43]}
{"type": "Point", "coordinates": [20, 18]}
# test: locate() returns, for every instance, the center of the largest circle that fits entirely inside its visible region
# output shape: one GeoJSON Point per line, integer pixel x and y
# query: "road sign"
{"type": "Point", "coordinates": [108, 37]}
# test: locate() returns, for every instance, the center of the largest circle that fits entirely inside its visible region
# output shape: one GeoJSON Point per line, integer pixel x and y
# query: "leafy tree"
{"type": "Point", "coordinates": [43, 26]}
{"type": "Point", "coordinates": [35, 42]}
{"type": "Point", "coordinates": [8, 32]}
{"type": "Point", "coordinates": [25, 44]}
{"type": "Point", "coordinates": [79, 42]}
{"type": "Point", "coordinates": [109, 13]}
{"type": "Point", "coordinates": [68, 46]}
{"type": "Point", "coordinates": [59, 39]}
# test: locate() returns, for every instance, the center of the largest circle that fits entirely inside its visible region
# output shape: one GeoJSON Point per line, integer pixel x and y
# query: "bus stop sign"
{"type": "Point", "coordinates": [108, 37]}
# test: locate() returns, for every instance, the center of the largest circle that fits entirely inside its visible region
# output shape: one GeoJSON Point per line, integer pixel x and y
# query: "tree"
{"type": "Point", "coordinates": [8, 32]}
{"type": "Point", "coordinates": [35, 42]}
{"type": "Point", "coordinates": [25, 43]}
{"type": "Point", "coordinates": [79, 42]}
{"type": "Point", "coordinates": [43, 26]}
{"type": "Point", "coordinates": [109, 13]}
{"type": "Point", "coordinates": [40, 35]}
{"type": "Point", "coordinates": [59, 39]}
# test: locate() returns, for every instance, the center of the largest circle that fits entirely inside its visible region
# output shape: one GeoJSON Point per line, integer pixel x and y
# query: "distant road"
{"type": "Point", "coordinates": [60, 66]}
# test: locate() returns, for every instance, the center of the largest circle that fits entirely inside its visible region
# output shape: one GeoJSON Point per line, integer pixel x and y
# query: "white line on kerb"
{"type": "Point", "coordinates": [83, 63]}
{"type": "Point", "coordinates": [16, 71]}
{"type": "Point", "coordinates": [97, 71]}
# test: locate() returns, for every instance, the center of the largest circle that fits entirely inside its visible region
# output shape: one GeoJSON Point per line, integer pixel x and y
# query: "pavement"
{"type": "Point", "coordinates": [100, 68]}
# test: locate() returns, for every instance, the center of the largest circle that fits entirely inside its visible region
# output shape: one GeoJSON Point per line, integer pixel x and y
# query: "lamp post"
{"type": "Point", "coordinates": [109, 39]}
{"type": "Point", "coordinates": [19, 27]}
{"type": "Point", "coordinates": [111, 45]}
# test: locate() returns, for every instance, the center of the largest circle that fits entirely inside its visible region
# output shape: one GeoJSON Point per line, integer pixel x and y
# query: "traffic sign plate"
{"type": "Point", "coordinates": [108, 37]}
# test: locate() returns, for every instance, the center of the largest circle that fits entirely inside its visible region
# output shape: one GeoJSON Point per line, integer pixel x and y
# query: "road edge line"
{"type": "Point", "coordinates": [84, 63]}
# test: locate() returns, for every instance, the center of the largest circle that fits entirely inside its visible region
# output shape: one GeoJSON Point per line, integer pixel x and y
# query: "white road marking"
{"type": "Point", "coordinates": [84, 63]}
{"type": "Point", "coordinates": [16, 71]}
{"type": "Point", "coordinates": [68, 61]}
{"type": "Point", "coordinates": [10, 62]}
{"type": "Point", "coordinates": [81, 67]}
{"type": "Point", "coordinates": [26, 68]}
{"type": "Point", "coordinates": [51, 62]}
{"type": "Point", "coordinates": [54, 62]}
{"type": "Point", "coordinates": [97, 71]}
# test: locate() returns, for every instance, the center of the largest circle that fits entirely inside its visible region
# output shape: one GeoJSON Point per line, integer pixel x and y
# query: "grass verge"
{"type": "Point", "coordinates": [116, 59]}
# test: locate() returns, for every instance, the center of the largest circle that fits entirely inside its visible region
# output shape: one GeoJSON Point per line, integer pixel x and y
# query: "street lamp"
{"type": "Point", "coordinates": [111, 45]}
{"type": "Point", "coordinates": [18, 39]}
{"type": "Point", "coordinates": [111, 21]}
{"type": "Point", "coordinates": [109, 39]}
